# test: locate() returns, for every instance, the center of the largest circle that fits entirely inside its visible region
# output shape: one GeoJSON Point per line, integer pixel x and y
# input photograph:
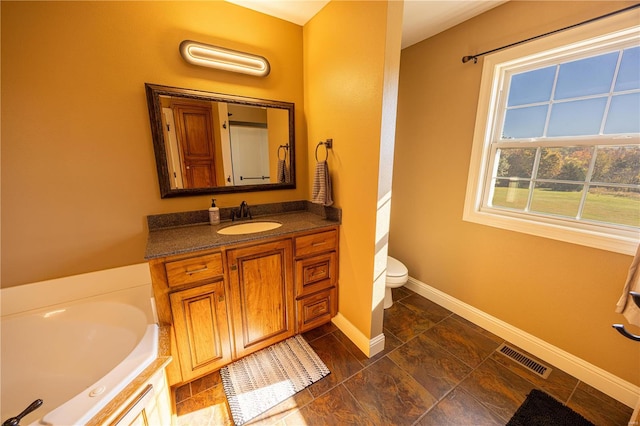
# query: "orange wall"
{"type": "Point", "coordinates": [78, 170]}
{"type": "Point", "coordinates": [344, 57]}
{"type": "Point", "coordinates": [562, 293]}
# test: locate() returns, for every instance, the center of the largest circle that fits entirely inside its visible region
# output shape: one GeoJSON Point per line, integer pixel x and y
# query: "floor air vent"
{"type": "Point", "coordinates": [522, 359]}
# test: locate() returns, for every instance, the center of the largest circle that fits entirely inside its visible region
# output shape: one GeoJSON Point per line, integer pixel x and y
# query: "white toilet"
{"type": "Point", "coordinates": [397, 276]}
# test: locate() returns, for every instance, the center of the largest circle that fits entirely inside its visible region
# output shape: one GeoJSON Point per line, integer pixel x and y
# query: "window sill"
{"type": "Point", "coordinates": [624, 242]}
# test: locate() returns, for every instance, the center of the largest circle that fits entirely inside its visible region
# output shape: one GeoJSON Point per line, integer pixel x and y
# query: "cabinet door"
{"type": "Point", "coordinates": [261, 283]}
{"type": "Point", "coordinates": [202, 333]}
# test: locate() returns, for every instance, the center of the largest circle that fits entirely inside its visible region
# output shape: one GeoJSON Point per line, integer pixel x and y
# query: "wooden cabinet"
{"type": "Point", "coordinates": [191, 296]}
{"type": "Point", "coordinates": [261, 283]}
{"type": "Point", "coordinates": [226, 303]}
{"type": "Point", "coordinates": [316, 278]}
{"type": "Point", "coordinates": [200, 323]}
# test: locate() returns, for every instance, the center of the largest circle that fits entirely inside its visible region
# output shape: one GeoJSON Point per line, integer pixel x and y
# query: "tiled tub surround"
{"type": "Point", "coordinates": [94, 329]}
{"type": "Point", "coordinates": [436, 369]}
{"type": "Point", "coordinates": [177, 233]}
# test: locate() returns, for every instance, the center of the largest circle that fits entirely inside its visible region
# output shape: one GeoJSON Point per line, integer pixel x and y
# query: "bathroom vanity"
{"type": "Point", "coordinates": [226, 296]}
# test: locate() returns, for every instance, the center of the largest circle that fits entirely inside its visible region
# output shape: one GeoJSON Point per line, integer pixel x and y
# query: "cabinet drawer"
{"type": "Point", "coordinates": [194, 269]}
{"type": "Point", "coordinates": [316, 243]}
{"type": "Point", "coordinates": [316, 309]}
{"type": "Point", "coordinates": [316, 273]}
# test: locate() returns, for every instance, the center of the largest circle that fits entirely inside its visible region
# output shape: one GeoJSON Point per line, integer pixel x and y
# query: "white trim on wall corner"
{"type": "Point", "coordinates": [376, 345]}
{"type": "Point", "coordinates": [614, 386]}
{"type": "Point", "coordinates": [369, 347]}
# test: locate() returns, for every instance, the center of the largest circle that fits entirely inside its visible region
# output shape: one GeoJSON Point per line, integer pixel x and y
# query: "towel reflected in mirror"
{"type": "Point", "coordinates": [283, 172]}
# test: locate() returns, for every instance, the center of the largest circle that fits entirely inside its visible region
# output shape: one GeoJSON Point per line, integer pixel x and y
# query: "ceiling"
{"type": "Point", "coordinates": [422, 18]}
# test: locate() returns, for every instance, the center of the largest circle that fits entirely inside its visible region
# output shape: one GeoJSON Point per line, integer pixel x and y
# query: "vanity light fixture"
{"type": "Point", "coordinates": [210, 56]}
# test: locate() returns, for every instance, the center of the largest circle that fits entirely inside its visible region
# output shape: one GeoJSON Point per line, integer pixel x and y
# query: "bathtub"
{"type": "Point", "coordinates": [75, 343]}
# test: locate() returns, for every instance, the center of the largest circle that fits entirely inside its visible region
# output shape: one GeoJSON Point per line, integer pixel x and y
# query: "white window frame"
{"type": "Point", "coordinates": [609, 32]}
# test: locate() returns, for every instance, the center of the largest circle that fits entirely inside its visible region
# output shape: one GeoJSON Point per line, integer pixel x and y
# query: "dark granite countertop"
{"type": "Point", "coordinates": [186, 237]}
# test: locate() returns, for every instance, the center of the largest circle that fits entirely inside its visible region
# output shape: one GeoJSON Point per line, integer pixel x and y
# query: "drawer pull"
{"type": "Point", "coordinates": [196, 271]}
{"type": "Point", "coordinates": [319, 243]}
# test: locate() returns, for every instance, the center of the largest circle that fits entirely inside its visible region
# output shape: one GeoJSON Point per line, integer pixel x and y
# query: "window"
{"type": "Point", "coordinates": [557, 144]}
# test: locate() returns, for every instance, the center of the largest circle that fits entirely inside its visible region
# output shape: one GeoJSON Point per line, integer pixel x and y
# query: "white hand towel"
{"type": "Point", "coordinates": [322, 185]}
{"type": "Point", "coordinates": [626, 306]}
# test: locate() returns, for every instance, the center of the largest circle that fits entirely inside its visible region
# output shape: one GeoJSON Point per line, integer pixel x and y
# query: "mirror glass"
{"type": "Point", "coordinates": [208, 143]}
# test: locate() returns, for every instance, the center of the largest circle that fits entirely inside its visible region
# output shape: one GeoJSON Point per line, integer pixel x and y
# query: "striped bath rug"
{"type": "Point", "coordinates": [265, 378]}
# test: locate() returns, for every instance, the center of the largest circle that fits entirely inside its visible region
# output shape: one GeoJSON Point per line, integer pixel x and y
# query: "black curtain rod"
{"type": "Point", "coordinates": [475, 57]}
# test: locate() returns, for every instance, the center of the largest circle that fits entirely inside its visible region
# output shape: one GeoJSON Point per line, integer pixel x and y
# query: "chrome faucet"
{"type": "Point", "coordinates": [242, 213]}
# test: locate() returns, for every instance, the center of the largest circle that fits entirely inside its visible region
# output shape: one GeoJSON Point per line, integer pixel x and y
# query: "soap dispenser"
{"type": "Point", "coordinates": [214, 213]}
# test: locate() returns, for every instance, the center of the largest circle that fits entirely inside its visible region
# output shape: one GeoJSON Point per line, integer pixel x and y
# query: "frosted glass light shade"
{"type": "Point", "coordinates": [210, 56]}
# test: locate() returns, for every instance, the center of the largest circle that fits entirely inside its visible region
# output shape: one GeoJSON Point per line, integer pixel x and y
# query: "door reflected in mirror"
{"type": "Point", "coordinates": [213, 143]}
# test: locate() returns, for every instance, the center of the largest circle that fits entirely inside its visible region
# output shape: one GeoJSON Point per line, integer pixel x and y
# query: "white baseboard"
{"type": "Point", "coordinates": [376, 345]}
{"type": "Point", "coordinates": [369, 347]}
{"type": "Point", "coordinates": [611, 385]}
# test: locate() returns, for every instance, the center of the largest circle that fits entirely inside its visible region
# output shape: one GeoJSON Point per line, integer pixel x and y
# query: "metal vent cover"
{"type": "Point", "coordinates": [524, 360]}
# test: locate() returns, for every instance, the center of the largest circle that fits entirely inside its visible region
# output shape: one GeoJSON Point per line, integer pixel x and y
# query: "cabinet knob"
{"type": "Point", "coordinates": [234, 267]}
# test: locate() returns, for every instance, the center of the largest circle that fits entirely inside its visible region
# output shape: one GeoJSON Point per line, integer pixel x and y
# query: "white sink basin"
{"type": "Point", "coordinates": [248, 228]}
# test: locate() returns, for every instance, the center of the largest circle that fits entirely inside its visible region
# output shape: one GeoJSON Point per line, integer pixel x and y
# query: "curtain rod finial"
{"type": "Point", "coordinates": [468, 58]}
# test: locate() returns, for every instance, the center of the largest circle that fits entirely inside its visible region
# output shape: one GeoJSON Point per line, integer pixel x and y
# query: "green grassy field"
{"type": "Point", "coordinates": [602, 207]}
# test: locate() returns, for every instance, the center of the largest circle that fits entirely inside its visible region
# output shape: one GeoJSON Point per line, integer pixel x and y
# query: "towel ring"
{"type": "Point", "coordinates": [281, 147]}
{"type": "Point", "coordinates": [625, 333]}
{"type": "Point", "coordinates": [328, 144]}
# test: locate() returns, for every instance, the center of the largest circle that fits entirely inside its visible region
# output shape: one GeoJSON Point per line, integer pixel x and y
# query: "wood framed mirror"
{"type": "Point", "coordinates": [212, 143]}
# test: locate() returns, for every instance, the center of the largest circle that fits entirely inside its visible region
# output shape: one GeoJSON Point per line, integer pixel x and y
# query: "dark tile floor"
{"type": "Point", "coordinates": [436, 369]}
